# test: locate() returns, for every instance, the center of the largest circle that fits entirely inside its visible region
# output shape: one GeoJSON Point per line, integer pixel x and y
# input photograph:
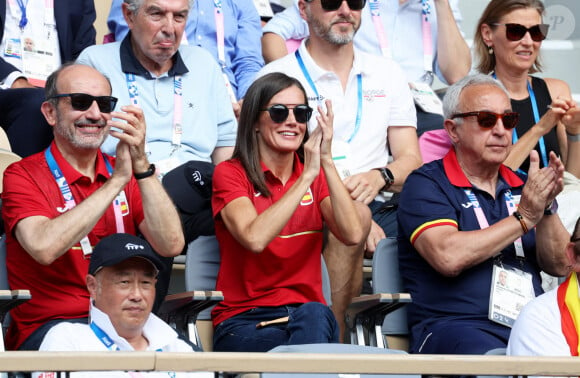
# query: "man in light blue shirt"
{"type": "Point", "coordinates": [241, 29]}
{"type": "Point", "coordinates": [180, 88]}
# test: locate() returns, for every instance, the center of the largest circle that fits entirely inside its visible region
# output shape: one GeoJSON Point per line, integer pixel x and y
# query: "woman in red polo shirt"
{"type": "Point", "coordinates": [270, 207]}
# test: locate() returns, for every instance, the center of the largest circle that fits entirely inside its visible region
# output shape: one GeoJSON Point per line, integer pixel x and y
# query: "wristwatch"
{"type": "Point", "coordinates": [148, 173]}
{"type": "Point", "coordinates": [387, 176]}
{"type": "Point", "coordinates": [552, 208]}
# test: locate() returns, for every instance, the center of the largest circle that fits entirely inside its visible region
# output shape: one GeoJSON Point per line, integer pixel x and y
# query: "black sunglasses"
{"type": "Point", "coordinates": [279, 112]}
{"type": "Point", "coordinates": [332, 5]}
{"type": "Point", "coordinates": [83, 101]}
{"type": "Point", "coordinates": [489, 119]}
{"type": "Point", "coordinates": [515, 32]}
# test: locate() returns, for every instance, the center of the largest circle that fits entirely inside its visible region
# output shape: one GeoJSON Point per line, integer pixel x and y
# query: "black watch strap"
{"type": "Point", "coordinates": [387, 176]}
{"type": "Point", "coordinates": [149, 172]}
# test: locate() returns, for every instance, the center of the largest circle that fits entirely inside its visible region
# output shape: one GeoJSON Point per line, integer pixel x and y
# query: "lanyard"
{"type": "Point", "coordinates": [359, 94]}
{"type": "Point", "coordinates": [482, 220]}
{"type": "Point", "coordinates": [23, 19]}
{"type": "Point", "coordinates": [221, 46]}
{"type": "Point", "coordinates": [106, 340]}
{"type": "Point", "coordinates": [374, 6]}
{"type": "Point", "coordinates": [69, 201]}
{"type": "Point", "coordinates": [177, 130]}
{"type": "Point", "coordinates": [541, 143]}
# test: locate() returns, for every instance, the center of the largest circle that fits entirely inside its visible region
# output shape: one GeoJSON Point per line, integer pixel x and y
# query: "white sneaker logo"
{"type": "Point", "coordinates": [467, 205]}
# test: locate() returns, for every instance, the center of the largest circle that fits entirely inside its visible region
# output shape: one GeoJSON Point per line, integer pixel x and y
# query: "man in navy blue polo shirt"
{"type": "Point", "coordinates": [475, 235]}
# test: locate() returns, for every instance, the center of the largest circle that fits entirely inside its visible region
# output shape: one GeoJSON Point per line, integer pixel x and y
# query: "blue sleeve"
{"type": "Point", "coordinates": [247, 58]}
{"type": "Point", "coordinates": [116, 21]}
{"type": "Point", "coordinates": [425, 202]}
{"type": "Point", "coordinates": [288, 24]}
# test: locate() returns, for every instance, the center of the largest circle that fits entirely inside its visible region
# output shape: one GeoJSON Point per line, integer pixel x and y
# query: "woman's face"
{"type": "Point", "coordinates": [285, 136]}
{"type": "Point", "coordinates": [514, 55]}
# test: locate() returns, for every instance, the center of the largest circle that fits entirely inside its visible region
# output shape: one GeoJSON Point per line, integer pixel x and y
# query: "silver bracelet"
{"type": "Point", "coordinates": [573, 137]}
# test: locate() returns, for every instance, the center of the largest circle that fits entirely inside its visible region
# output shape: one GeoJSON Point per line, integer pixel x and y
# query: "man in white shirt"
{"type": "Point", "coordinates": [548, 325]}
{"type": "Point", "coordinates": [121, 281]}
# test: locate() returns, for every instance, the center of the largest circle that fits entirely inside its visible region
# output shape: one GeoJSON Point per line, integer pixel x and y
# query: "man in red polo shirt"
{"type": "Point", "coordinates": [59, 203]}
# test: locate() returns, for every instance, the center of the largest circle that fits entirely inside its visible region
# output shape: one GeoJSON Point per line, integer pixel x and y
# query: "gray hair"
{"type": "Point", "coordinates": [135, 5]}
{"type": "Point", "coordinates": [451, 100]}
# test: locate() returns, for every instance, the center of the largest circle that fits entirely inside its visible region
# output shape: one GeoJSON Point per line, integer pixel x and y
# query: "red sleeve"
{"type": "Point", "coordinates": [23, 196]}
{"type": "Point", "coordinates": [229, 182]}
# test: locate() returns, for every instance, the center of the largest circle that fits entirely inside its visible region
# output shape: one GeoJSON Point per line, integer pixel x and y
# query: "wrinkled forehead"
{"type": "Point", "coordinates": [484, 97]}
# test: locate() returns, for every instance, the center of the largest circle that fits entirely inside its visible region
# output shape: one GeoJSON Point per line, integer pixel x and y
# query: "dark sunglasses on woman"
{"type": "Point", "coordinates": [83, 101]}
{"type": "Point", "coordinates": [515, 32]}
{"type": "Point", "coordinates": [488, 120]}
{"type": "Point", "coordinates": [279, 112]}
{"type": "Point", "coordinates": [332, 5]}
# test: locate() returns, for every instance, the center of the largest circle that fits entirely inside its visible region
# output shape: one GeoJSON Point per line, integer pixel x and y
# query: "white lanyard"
{"type": "Point", "coordinates": [177, 129]}
{"type": "Point", "coordinates": [221, 46]}
{"type": "Point", "coordinates": [482, 220]}
{"type": "Point", "coordinates": [425, 29]}
{"type": "Point", "coordinates": [119, 202]}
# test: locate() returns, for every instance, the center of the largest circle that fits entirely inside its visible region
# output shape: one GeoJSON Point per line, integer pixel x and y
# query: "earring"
{"type": "Point", "coordinates": [490, 50]}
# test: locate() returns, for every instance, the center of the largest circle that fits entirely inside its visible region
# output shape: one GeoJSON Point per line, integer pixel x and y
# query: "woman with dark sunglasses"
{"type": "Point", "coordinates": [507, 40]}
{"type": "Point", "coordinates": [271, 202]}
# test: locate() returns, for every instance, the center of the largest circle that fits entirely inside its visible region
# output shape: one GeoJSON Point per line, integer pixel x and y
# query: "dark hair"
{"type": "Point", "coordinates": [257, 97]}
{"type": "Point", "coordinates": [492, 14]}
{"type": "Point", "coordinates": [50, 88]}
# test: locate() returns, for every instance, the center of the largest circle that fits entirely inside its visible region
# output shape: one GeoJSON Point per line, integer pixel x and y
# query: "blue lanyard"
{"type": "Point", "coordinates": [23, 19]}
{"type": "Point", "coordinates": [359, 94]}
{"type": "Point", "coordinates": [541, 143]}
{"type": "Point", "coordinates": [61, 180]}
{"type": "Point", "coordinates": [69, 201]}
{"type": "Point", "coordinates": [106, 340]}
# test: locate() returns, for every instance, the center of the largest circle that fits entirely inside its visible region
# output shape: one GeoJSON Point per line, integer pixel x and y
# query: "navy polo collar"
{"type": "Point", "coordinates": [130, 63]}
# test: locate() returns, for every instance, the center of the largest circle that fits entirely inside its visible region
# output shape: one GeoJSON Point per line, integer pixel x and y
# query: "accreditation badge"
{"type": "Point", "coordinates": [341, 156]}
{"type": "Point", "coordinates": [426, 98]}
{"type": "Point", "coordinates": [511, 290]}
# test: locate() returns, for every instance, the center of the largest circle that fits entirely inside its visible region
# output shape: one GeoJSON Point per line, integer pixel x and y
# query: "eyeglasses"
{"type": "Point", "coordinates": [279, 112]}
{"type": "Point", "coordinates": [515, 32]}
{"type": "Point", "coordinates": [489, 119]}
{"type": "Point", "coordinates": [83, 101]}
{"type": "Point", "coordinates": [332, 5]}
